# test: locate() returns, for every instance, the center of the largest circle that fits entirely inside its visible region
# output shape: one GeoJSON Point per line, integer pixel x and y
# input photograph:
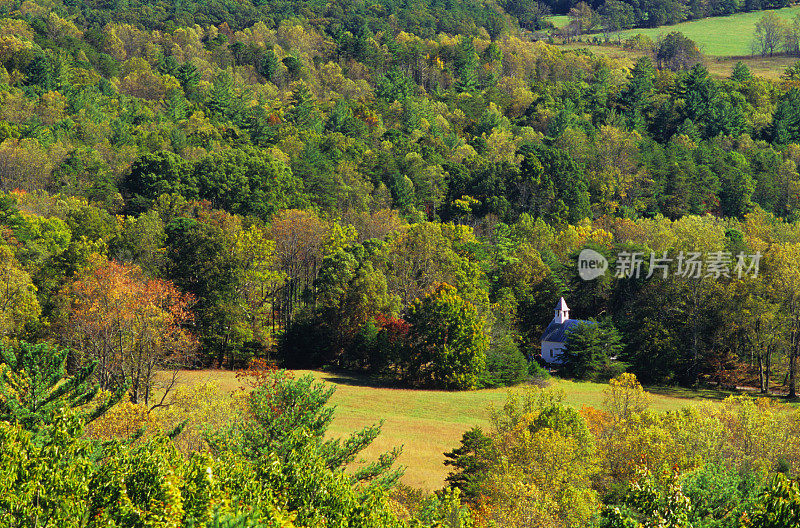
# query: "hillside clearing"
{"type": "Point", "coordinates": [718, 36]}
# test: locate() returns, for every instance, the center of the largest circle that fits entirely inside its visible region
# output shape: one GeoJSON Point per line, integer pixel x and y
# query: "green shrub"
{"type": "Point", "coordinates": [505, 363]}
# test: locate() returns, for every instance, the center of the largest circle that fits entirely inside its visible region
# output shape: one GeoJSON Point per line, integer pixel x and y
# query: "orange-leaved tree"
{"type": "Point", "coordinates": [134, 326]}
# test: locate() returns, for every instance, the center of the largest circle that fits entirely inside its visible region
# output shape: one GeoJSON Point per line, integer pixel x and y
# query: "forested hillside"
{"type": "Point", "coordinates": [401, 190]}
{"type": "Point", "coordinates": [301, 181]}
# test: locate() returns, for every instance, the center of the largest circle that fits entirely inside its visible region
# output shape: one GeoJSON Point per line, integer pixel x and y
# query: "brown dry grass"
{"type": "Point", "coordinates": [767, 67]}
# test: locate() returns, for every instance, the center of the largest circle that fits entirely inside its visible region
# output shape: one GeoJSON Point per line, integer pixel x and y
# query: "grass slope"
{"type": "Point", "coordinates": [719, 36]}
{"type": "Point", "coordinates": [429, 423]}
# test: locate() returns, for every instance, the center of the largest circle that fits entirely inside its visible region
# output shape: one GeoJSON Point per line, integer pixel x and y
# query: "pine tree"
{"type": "Point", "coordinates": [740, 72]}
{"type": "Point", "coordinates": [466, 65]}
{"type": "Point", "coordinates": [268, 66]}
{"type": "Point", "coordinates": [189, 78]}
{"type": "Point", "coordinates": [470, 462]}
{"type": "Point", "coordinates": [590, 346]}
{"type": "Point", "coordinates": [786, 120]}
{"type": "Point", "coordinates": [175, 105]}
{"type": "Point", "coordinates": [221, 97]}
{"type": "Point", "coordinates": [303, 112]}
{"type": "Point", "coordinates": [34, 386]}
{"type": "Point", "coordinates": [634, 98]}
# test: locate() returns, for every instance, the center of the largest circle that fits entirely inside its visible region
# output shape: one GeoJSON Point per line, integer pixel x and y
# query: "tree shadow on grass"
{"type": "Point", "coordinates": [359, 380]}
{"type": "Point", "coordinates": [776, 396]}
{"type": "Point", "coordinates": [691, 394]}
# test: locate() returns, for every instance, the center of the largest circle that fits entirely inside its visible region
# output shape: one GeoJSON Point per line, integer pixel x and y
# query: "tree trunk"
{"type": "Point", "coordinates": [792, 366]}
{"type": "Point", "coordinates": [695, 335]}
{"type": "Point", "coordinates": [761, 373]}
{"type": "Point", "coordinates": [221, 354]}
{"type": "Point", "coordinates": [768, 369]}
{"type": "Point", "coordinates": [794, 348]}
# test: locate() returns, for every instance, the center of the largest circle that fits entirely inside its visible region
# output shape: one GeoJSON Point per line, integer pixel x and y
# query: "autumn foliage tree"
{"type": "Point", "coordinates": [131, 325]}
{"type": "Point", "coordinates": [299, 239]}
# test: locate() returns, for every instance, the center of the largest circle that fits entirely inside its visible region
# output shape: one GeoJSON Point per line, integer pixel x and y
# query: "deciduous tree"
{"type": "Point", "coordinates": [770, 33]}
{"type": "Point", "coordinates": [18, 303]}
{"type": "Point", "coordinates": [132, 326]}
{"type": "Point", "coordinates": [448, 344]}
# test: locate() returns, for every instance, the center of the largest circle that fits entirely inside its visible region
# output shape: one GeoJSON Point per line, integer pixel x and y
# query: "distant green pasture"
{"type": "Point", "coordinates": [719, 36]}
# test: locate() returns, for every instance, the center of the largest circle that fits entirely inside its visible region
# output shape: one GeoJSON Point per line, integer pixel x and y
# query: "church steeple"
{"type": "Point", "coordinates": [562, 312]}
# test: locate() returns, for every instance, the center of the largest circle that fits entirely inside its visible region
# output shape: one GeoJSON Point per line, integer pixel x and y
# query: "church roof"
{"type": "Point", "coordinates": [557, 332]}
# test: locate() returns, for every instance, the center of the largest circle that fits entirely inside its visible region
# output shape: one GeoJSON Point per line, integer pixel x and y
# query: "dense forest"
{"type": "Point", "coordinates": [280, 192]}
{"type": "Point", "coordinates": [401, 190]}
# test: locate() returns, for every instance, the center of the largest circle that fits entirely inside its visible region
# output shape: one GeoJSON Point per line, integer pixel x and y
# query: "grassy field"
{"type": "Point", "coordinates": [559, 21]}
{"type": "Point", "coordinates": [428, 423]}
{"type": "Point", "coordinates": [719, 36]}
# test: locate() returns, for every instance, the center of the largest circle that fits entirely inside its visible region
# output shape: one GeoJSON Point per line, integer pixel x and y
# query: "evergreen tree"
{"type": "Point", "coordinates": [590, 349]}
{"type": "Point", "coordinates": [786, 120]}
{"type": "Point", "coordinates": [505, 363]}
{"type": "Point", "coordinates": [175, 105]}
{"type": "Point", "coordinates": [303, 112]}
{"type": "Point", "coordinates": [285, 436]}
{"type": "Point", "coordinates": [741, 73]}
{"type": "Point", "coordinates": [34, 386]}
{"type": "Point", "coordinates": [698, 92]}
{"type": "Point", "coordinates": [268, 66]}
{"type": "Point", "coordinates": [189, 77]}
{"type": "Point", "coordinates": [221, 96]}
{"type": "Point", "coordinates": [466, 66]}
{"type": "Point", "coordinates": [394, 86]}
{"type": "Point", "coordinates": [470, 461]}
{"type": "Point", "coordinates": [738, 187]}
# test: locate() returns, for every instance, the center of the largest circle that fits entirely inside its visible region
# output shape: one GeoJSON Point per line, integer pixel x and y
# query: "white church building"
{"type": "Point", "coordinates": [554, 339]}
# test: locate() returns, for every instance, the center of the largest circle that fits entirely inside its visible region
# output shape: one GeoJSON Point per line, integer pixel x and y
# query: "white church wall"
{"type": "Point", "coordinates": [552, 351]}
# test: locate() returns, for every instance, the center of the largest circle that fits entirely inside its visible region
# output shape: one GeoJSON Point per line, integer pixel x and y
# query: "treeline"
{"type": "Point", "coordinates": [337, 19]}
{"type": "Point", "coordinates": [615, 15]}
{"type": "Point", "coordinates": [425, 304]}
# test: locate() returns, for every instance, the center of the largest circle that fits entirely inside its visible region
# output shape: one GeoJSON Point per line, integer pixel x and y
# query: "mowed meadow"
{"type": "Point", "coordinates": [428, 423]}
{"type": "Point", "coordinates": [723, 40]}
{"type": "Point", "coordinates": [719, 36]}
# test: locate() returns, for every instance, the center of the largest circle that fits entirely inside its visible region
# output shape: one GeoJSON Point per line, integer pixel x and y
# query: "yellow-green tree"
{"type": "Point", "coordinates": [543, 464]}
{"type": "Point", "coordinates": [18, 303]}
{"type": "Point", "coordinates": [448, 344]}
